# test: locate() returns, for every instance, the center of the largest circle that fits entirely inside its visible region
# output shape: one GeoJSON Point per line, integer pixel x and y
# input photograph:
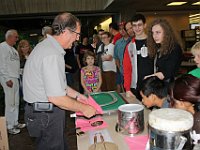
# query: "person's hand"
{"type": "Point", "coordinates": [158, 74]}
{"type": "Point", "coordinates": [89, 111]}
{"type": "Point", "coordinates": [129, 94]}
{"type": "Point", "coordinates": [9, 83]}
{"type": "Point", "coordinates": [96, 90]}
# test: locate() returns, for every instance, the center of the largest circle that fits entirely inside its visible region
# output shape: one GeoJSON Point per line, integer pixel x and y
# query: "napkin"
{"type": "Point", "coordinates": [85, 125]}
{"type": "Point", "coordinates": [90, 101]}
{"type": "Point", "coordinates": [137, 142]}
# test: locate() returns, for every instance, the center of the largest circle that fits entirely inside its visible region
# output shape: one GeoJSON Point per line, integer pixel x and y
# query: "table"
{"type": "Point", "coordinates": [83, 141]}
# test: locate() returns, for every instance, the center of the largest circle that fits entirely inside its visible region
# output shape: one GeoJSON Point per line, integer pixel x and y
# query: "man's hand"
{"type": "Point", "coordinates": [9, 83]}
{"type": "Point", "coordinates": [89, 111]}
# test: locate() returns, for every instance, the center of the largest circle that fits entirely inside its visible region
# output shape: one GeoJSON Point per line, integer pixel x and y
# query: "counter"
{"type": "Point", "coordinates": [83, 141]}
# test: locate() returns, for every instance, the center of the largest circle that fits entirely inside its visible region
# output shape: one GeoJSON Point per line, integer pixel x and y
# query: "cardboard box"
{"type": "Point", "coordinates": [3, 134]}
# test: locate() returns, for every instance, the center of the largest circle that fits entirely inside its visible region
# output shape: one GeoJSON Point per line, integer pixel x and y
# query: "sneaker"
{"type": "Point", "coordinates": [20, 125]}
{"type": "Point", "coordinates": [13, 131]}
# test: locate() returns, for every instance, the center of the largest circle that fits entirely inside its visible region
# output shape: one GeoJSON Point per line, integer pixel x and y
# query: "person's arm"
{"type": "Point", "coordinates": [68, 66]}
{"type": "Point", "coordinates": [127, 73]}
{"type": "Point", "coordinates": [56, 89]}
{"type": "Point", "coordinates": [83, 82]}
{"type": "Point", "coordinates": [78, 61]}
{"type": "Point", "coordinates": [172, 63]}
{"type": "Point", "coordinates": [106, 57]}
{"type": "Point", "coordinates": [117, 62]}
{"type": "Point", "coordinates": [4, 66]}
{"type": "Point", "coordinates": [3, 62]}
{"type": "Point", "coordinates": [127, 70]}
{"type": "Point", "coordinates": [109, 54]}
{"type": "Point", "coordinates": [158, 74]}
{"type": "Point", "coordinates": [100, 81]}
{"type": "Point", "coordinates": [67, 103]}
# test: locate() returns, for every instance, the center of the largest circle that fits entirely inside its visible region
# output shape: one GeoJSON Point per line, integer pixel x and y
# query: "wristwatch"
{"type": "Point", "coordinates": [77, 95]}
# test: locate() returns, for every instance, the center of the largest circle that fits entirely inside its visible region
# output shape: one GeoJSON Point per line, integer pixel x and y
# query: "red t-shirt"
{"type": "Point", "coordinates": [116, 37]}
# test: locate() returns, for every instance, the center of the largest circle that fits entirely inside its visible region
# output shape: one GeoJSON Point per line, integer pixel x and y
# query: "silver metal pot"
{"type": "Point", "coordinates": [169, 129]}
{"type": "Point", "coordinates": [164, 140]}
{"type": "Point", "coordinates": [130, 119]}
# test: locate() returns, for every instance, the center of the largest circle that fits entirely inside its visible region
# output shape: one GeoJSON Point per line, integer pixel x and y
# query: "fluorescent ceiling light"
{"type": "Point", "coordinates": [33, 34]}
{"type": "Point", "coordinates": [194, 15]}
{"type": "Point", "coordinates": [176, 3]}
{"type": "Point", "coordinates": [196, 3]}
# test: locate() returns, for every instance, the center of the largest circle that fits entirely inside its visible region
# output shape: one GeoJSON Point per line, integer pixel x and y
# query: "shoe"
{"type": "Point", "coordinates": [20, 125]}
{"type": "Point", "coordinates": [14, 131]}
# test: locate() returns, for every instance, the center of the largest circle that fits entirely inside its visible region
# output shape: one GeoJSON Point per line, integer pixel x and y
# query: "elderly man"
{"type": "Point", "coordinates": [9, 75]}
{"type": "Point", "coordinates": [45, 88]}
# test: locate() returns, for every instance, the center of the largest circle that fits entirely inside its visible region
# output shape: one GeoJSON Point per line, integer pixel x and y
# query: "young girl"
{"type": "Point", "coordinates": [91, 79]}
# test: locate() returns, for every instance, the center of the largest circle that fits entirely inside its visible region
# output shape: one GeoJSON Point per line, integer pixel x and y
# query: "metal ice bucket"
{"type": "Point", "coordinates": [130, 119]}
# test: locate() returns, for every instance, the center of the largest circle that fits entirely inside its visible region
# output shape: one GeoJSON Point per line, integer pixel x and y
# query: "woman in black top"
{"type": "Point", "coordinates": [163, 47]}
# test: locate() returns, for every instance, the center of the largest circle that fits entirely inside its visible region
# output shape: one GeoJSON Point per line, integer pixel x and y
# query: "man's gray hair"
{"type": "Point", "coordinates": [65, 20]}
{"type": "Point", "coordinates": [46, 30]}
{"type": "Point", "coordinates": [10, 32]}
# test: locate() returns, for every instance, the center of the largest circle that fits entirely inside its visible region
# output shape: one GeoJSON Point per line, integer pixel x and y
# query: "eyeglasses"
{"type": "Point", "coordinates": [74, 32]}
{"type": "Point", "coordinates": [138, 25]}
{"type": "Point", "coordinates": [104, 37]}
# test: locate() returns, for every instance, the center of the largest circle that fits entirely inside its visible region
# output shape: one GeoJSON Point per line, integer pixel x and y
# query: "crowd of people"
{"type": "Point", "coordinates": [124, 59]}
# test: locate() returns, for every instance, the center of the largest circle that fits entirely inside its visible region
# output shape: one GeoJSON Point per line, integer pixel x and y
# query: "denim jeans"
{"type": "Point", "coordinates": [47, 127]}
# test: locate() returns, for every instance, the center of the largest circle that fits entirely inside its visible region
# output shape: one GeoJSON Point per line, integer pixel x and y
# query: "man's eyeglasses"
{"type": "Point", "coordinates": [75, 32]}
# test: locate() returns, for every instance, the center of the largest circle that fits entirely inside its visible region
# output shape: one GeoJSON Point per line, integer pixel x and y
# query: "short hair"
{"type": "Point", "coordinates": [114, 26]}
{"type": "Point", "coordinates": [153, 85]}
{"type": "Point", "coordinates": [126, 24]}
{"type": "Point", "coordinates": [64, 20]}
{"type": "Point", "coordinates": [107, 33]}
{"type": "Point", "coordinates": [88, 53]}
{"type": "Point", "coordinates": [46, 30]}
{"type": "Point", "coordinates": [101, 30]}
{"type": "Point", "coordinates": [138, 17]}
{"type": "Point", "coordinates": [10, 32]}
{"type": "Point", "coordinates": [195, 48]}
{"type": "Point", "coordinates": [185, 88]}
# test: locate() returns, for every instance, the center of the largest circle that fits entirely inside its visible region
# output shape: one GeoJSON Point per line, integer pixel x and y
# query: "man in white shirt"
{"type": "Point", "coordinates": [9, 79]}
{"type": "Point", "coordinates": [45, 88]}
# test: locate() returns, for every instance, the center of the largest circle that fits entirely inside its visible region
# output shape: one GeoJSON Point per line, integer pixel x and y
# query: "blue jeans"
{"type": "Point", "coordinates": [47, 127]}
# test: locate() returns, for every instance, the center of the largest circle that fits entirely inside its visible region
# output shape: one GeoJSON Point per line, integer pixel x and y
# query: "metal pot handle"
{"type": "Point", "coordinates": [182, 143]}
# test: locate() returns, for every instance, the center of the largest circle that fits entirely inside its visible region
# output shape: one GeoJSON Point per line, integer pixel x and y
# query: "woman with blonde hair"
{"type": "Point", "coordinates": [24, 49]}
